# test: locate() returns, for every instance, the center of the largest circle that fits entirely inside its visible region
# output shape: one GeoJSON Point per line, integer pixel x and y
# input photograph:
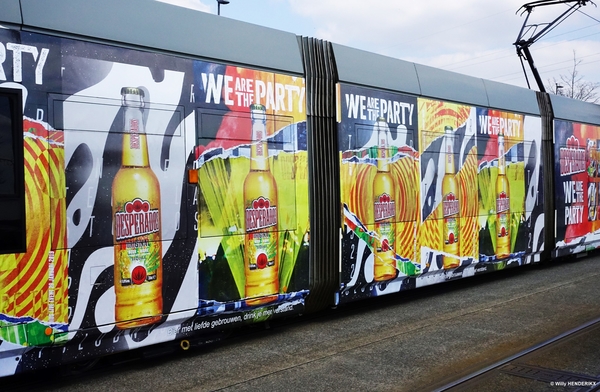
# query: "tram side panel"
{"type": "Point", "coordinates": [122, 251]}
{"type": "Point", "coordinates": [433, 191]}
{"type": "Point", "coordinates": [378, 143]}
{"type": "Point", "coordinates": [449, 203]}
{"type": "Point", "coordinates": [577, 182]}
{"type": "Point", "coordinates": [252, 162]}
{"type": "Point", "coordinates": [109, 112]}
{"type": "Point", "coordinates": [33, 284]}
{"type": "Point", "coordinates": [510, 192]}
{"type": "Point", "coordinates": [130, 221]}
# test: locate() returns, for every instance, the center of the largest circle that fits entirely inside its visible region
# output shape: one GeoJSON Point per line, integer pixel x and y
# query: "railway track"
{"type": "Point", "coordinates": [522, 366]}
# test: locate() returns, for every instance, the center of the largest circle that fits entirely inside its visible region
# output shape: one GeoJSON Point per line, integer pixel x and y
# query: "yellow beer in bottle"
{"type": "Point", "coordinates": [261, 220]}
{"type": "Point", "coordinates": [136, 224]}
{"type": "Point", "coordinates": [384, 208]}
{"type": "Point", "coordinates": [450, 204]}
{"type": "Point", "coordinates": [502, 204]}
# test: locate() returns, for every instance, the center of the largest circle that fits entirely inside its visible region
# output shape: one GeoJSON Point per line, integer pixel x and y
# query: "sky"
{"type": "Point", "coordinates": [472, 37]}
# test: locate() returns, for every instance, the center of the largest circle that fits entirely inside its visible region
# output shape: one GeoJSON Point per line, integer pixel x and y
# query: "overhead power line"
{"type": "Point", "coordinates": [504, 78]}
{"type": "Point", "coordinates": [548, 45]}
{"type": "Point", "coordinates": [589, 16]}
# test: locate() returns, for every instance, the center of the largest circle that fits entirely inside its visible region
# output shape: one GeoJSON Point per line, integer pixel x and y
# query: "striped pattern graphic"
{"type": "Point", "coordinates": [357, 192]}
{"type": "Point", "coordinates": [469, 209]}
{"type": "Point", "coordinates": [405, 172]}
{"type": "Point", "coordinates": [33, 285]}
{"type": "Point", "coordinates": [434, 116]}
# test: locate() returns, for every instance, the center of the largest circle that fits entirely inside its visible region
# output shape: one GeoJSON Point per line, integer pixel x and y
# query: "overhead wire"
{"type": "Point", "coordinates": [501, 54]}
{"type": "Point", "coordinates": [454, 66]}
{"type": "Point", "coordinates": [512, 50]}
{"type": "Point", "coordinates": [545, 68]}
{"type": "Point", "coordinates": [446, 29]}
{"type": "Point", "coordinates": [512, 54]}
{"type": "Point", "coordinates": [589, 15]}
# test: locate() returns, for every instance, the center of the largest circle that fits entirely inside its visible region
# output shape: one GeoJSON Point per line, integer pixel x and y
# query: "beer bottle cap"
{"type": "Point", "coordinates": [448, 129]}
{"type": "Point", "coordinates": [132, 90]}
{"type": "Point", "coordinates": [257, 106]}
{"type": "Point", "coordinates": [258, 112]}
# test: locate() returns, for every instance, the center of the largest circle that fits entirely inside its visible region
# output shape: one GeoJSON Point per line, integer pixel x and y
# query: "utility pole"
{"type": "Point", "coordinates": [219, 2]}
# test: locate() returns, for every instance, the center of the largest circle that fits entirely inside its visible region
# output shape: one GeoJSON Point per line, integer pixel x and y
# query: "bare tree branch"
{"type": "Point", "coordinates": [573, 85]}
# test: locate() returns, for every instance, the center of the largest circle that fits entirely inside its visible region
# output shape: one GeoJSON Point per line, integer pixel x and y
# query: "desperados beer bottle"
{"type": "Point", "coordinates": [384, 208]}
{"type": "Point", "coordinates": [261, 220]}
{"type": "Point", "coordinates": [450, 204]}
{"type": "Point", "coordinates": [136, 224]}
{"type": "Point", "coordinates": [502, 204]}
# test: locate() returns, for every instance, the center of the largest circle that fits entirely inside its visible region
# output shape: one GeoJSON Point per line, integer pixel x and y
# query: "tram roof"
{"type": "Point", "coordinates": [575, 110]}
{"type": "Point", "coordinates": [403, 76]}
{"type": "Point", "coordinates": [160, 26]}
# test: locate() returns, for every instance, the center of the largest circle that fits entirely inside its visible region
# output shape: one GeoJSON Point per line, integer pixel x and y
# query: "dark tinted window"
{"type": "Point", "coordinates": [7, 156]}
{"type": "Point", "coordinates": [12, 188]}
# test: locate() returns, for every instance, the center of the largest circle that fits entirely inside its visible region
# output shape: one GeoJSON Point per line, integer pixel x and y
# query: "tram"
{"type": "Point", "coordinates": [161, 182]}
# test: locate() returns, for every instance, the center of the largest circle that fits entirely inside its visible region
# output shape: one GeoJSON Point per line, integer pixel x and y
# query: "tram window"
{"type": "Point", "coordinates": [12, 191]}
{"type": "Point", "coordinates": [7, 156]}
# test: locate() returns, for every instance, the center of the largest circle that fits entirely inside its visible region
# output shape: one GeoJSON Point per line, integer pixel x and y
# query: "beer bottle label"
{"type": "Point", "coordinates": [386, 236]}
{"type": "Point", "coordinates": [261, 234]}
{"type": "Point", "coordinates": [385, 211]}
{"type": "Point", "coordinates": [450, 207]}
{"type": "Point", "coordinates": [384, 207]}
{"type": "Point", "coordinates": [137, 233]}
{"type": "Point", "coordinates": [261, 249]}
{"type": "Point", "coordinates": [502, 208]}
{"type": "Point", "coordinates": [134, 134]}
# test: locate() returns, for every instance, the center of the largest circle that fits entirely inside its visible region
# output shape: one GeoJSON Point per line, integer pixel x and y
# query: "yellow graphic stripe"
{"type": "Point", "coordinates": [469, 209]}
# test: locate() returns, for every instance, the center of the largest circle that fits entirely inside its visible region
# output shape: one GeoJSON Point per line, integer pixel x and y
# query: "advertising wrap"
{"type": "Point", "coordinates": [123, 250]}
{"type": "Point", "coordinates": [433, 191]}
{"type": "Point", "coordinates": [577, 178]}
